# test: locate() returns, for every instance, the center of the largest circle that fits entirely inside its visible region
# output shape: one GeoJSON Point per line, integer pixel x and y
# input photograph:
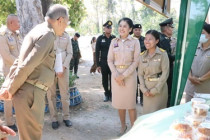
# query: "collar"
{"type": "Point", "coordinates": [9, 32]}
{"type": "Point", "coordinates": [50, 27]}
{"type": "Point", "coordinates": [157, 51]}
{"type": "Point", "coordinates": [129, 37]}
{"type": "Point", "coordinates": [200, 46]}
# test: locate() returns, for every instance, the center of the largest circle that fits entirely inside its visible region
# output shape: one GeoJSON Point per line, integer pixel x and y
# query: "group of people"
{"type": "Point", "coordinates": [124, 61]}
{"type": "Point", "coordinates": [152, 69]}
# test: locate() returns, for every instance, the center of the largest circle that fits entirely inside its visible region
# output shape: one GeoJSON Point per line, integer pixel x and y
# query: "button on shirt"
{"type": "Point", "coordinates": [200, 66]}
{"type": "Point", "coordinates": [150, 66]}
{"type": "Point", "coordinates": [124, 52]}
{"type": "Point", "coordinates": [102, 48]}
{"type": "Point", "coordinates": [63, 45]}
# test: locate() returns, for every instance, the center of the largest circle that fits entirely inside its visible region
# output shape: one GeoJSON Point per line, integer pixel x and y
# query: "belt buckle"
{"type": "Point", "coordinates": [121, 67]}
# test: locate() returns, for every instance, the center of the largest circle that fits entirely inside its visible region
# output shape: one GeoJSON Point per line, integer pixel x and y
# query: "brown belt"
{"type": "Point", "coordinates": [40, 86]}
{"type": "Point", "coordinates": [121, 66]}
{"type": "Point", "coordinates": [152, 79]}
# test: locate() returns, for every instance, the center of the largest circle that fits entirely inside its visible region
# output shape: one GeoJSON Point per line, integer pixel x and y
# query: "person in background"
{"type": "Point", "coordinates": [166, 28]}
{"type": "Point", "coordinates": [33, 73]}
{"type": "Point", "coordinates": [199, 76]}
{"type": "Point", "coordinates": [93, 46]}
{"type": "Point", "coordinates": [153, 72]}
{"type": "Point", "coordinates": [10, 43]}
{"type": "Point", "coordinates": [137, 30]}
{"type": "Point", "coordinates": [102, 47]}
{"type": "Point", "coordinates": [123, 58]}
{"type": "Point", "coordinates": [76, 54]}
{"type": "Point", "coordinates": [63, 47]}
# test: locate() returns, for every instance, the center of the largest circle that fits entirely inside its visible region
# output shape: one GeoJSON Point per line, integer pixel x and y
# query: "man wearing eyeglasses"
{"type": "Point", "coordinates": [33, 73]}
{"type": "Point", "coordinates": [102, 46]}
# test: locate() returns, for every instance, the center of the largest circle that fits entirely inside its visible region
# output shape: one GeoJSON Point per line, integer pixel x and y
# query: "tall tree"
{"type": "Point", "coordinates": [29, 13]}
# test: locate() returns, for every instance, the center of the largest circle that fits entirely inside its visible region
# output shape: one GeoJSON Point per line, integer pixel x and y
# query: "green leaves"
{"type": "Point", "coordinates": [6, 7]}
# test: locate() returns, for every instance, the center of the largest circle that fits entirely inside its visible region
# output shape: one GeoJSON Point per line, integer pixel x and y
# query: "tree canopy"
{"type": "Point", "coordinates": [7, 7]}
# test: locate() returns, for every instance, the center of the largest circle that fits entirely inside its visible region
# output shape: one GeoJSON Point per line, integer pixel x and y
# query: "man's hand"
{"type": "Point", "coordinates": [5, 95]}
{"type": "Point", "coordinates": [6, 130]}
{"type": "Point", "coordinates": [99, 69]}
{"type": "Point", "coordinates": [61, 74]}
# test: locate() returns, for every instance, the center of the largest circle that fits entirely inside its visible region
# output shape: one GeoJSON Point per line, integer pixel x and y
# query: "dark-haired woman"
{"type": "Point", "coordinates": [153, 72]}
{"type": "Point", "coordinates": [93, 46]}
{"type": "Point", "coordinates": [123, 58]}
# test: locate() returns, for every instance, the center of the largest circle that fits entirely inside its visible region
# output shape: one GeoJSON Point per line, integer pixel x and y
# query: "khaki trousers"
{"type": "Point", "coordinates": [8, 115]}
{"type": "Point", "coordinates": [29, 104]}
{"type": "Point", "coordinates": [63, 84]}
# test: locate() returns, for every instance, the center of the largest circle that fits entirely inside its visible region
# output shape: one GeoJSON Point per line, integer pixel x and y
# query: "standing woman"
{"type": "Point", "coordinates": [93, 46]}
{"type": "Point", "coordinates": [123, 58]}
{"type": "Point", "coordinates": [199, 76]}
{"type": "Point", "coordinates": [153, 73]}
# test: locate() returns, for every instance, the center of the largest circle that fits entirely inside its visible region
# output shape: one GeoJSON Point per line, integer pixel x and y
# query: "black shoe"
{"type": "Point", "coordinates": [68, 123]}
{"type": "Point", "coordinates": [106, 99]}
{"type": "Point", "coordinates": [110, 99]}
{"type": "Point", "coordinates": [55, 125]}
{"type": "Point", "coordinates": [13, 127]}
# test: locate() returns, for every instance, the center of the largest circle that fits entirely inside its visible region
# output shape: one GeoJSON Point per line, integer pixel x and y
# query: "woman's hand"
{"type": "Point", "coordinates": [120, 80]}
{"type": "Point", "coordinates": [148, 94]}
{"type": "Point", "coordinates": [7, 130]}
{"type": "Point", "coordinates": [195, 80]}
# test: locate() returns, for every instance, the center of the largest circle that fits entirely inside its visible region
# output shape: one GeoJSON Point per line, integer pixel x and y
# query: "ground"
{"type": "Point", "coordinates": [93, 119]}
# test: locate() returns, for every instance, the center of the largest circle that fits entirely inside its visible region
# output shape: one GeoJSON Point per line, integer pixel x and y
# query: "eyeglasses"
{"type": "Point", "coordinates": [66, 20]}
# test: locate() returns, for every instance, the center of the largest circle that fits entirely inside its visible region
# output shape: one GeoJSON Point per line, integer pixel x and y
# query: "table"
{"type": "Point", "coordinates": [156, 126]}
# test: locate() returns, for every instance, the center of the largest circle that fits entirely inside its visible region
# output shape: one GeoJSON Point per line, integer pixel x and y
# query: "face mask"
{"type": "Point", "coordinates": [203, 38]}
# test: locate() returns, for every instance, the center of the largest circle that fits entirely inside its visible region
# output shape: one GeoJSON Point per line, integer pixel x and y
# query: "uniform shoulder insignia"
{"type": "Point", "coordinates": [134, 37]}
{"type": "Point", "coordinates": [142, 52]}
{"type": "Point", "coordinates": [162, 50]}
{"type": "Point", "coordinates": [2, 31]}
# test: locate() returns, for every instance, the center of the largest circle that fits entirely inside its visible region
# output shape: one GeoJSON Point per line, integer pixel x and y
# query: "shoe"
{"type": "Point", "coordinates": [106, 99]}
{"type": "Point", "coordinates": [122, 132]}
{"type": "Point", "coordinates": [13, 127]}
{"type": "Point", "coordinates": [68, 123]}
{"type": "Point", "coordinates": [55, 125]}
{"type": "Point", "coordinates": [110, 99]}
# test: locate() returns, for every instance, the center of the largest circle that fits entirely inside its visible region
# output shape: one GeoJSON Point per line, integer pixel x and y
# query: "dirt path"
{"type": "Point", "coordinates": [93, 119]}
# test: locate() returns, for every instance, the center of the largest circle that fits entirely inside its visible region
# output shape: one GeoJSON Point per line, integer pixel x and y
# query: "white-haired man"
{"type": "Point", "coordinates": [33, 72]}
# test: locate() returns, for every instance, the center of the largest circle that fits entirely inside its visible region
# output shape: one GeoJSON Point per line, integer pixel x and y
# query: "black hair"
{"type": "Point", "coordinates": [156, 35]}
{"type": "Point", "coordinates": [128, 21]}
{"type": "Point", "coordinates": [206, 27]}
{"type": "Point", "coordinates": [92, 39]}
{"type": "Point", "coordinates": [77, 35]}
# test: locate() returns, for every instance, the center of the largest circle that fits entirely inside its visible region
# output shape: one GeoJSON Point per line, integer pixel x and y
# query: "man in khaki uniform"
{"type": "Point", "coordinates": [9, 50]}
{"type": "Point", "coordinates": [63, 47]}
{"type": "Point", "coordinates": [33, 72]}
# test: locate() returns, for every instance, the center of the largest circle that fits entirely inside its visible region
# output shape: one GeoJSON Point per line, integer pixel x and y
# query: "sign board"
{"type": "Point", "coordinates": [161, 6]}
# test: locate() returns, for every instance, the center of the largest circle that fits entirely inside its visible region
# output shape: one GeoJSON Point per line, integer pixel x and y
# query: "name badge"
{"type": "Point", "coordinates": [103, 40]}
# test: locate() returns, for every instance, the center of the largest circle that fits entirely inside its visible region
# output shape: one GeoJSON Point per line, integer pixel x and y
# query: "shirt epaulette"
{"type": "Point", "coordinates": [162, 50]}
{"type": "Point", "coordinates": [142, 52]}
{"type": "Point", "coordinates": [134, 37]}
{"type": "Point", "coordinates": [2, 33]}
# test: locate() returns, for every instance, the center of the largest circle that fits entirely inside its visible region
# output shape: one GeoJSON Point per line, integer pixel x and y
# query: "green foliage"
{"type": "Point", "coordinates": [72, 79]}
{"type": "Point", "coordinates": [7, 7]}
{"type": "Point", "coordinates": [1, 80]}
{"type": "Point", "coordinates": [77, 11]}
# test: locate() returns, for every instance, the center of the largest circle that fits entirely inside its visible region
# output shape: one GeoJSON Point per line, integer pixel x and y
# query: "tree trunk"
{"type": "Point", "coordinates": [30, 14]}
{"type": "Point", "coordinates": [133, 10]}
{"type": "Point", "coordinates": [45, 5]}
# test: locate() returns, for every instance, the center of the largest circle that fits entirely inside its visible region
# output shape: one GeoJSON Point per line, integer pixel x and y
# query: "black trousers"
{"type": "Point", "coordinates": [138, 91]}
{"type": "Point", "coordinates": [106, 79]}
{"type": "Point", "coordinates": [74, 65]}
{"type": "Point", "coordinates": [169, 83]}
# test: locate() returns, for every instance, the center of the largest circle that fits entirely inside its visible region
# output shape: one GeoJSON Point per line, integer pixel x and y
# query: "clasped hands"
{"type": "Point", "coordinates": [195, 80]}
{"type": "Point", "coordinates": [148, 94]}
{"type": "Point", "coordinates": [120, 80]}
